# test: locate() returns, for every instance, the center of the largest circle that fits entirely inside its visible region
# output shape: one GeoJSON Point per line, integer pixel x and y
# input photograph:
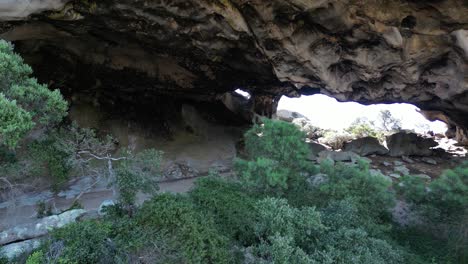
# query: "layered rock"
{"type": "Point", "coordinates": [368, 51]}
{"type": "Point", "coordinates": [409, 144]}
{"type": "Point", "coordinates": [365, 146]}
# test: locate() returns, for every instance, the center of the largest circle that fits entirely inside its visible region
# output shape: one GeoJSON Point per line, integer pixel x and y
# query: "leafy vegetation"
{"type": "Point", "coordinates": [362, 127]}
{"type": "Point", "coordinates": [24, 104]}
{"type": "Point", "coordinates": [277, 157]}
{"type": "Point", "coordinates": [279, 209]}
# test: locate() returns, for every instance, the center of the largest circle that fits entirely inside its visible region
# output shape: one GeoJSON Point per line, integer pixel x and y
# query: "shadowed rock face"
{"type": "Point", "coordinates": [369, 51]}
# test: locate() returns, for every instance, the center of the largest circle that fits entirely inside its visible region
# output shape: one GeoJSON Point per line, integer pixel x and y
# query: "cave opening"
{"type": "Point", "coordinates": [326, 112]}
{"type": "Point", "coordinates": [351, 120]}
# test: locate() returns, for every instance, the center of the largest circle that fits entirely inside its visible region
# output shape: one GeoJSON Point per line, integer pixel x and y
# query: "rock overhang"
{"type": "Point", "coordinates": [364, 51]}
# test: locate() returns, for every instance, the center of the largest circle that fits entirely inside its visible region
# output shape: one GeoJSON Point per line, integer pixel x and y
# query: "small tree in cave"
{"type": "Point", "coordinates": [277, 156]}
{"type": "Point", "coordinates": [388, 122]}
{"type": "Point", "coordinates": [362, 127]}
{"type": "Point", "coordinates": [84, 153]}
{"type": "Point", "coordinates": [24, 104]}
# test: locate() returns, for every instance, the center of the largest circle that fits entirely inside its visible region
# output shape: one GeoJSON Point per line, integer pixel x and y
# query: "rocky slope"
{"type": "Point", "coordinates": [370, 51]}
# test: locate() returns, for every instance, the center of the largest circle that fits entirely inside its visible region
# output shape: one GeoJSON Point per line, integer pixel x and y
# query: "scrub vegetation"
{"type": "Point", "coordinates": [280, 208]}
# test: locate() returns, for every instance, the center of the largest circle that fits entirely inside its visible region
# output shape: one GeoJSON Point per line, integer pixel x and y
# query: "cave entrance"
{"type": "Point", "coordinates": [331, 117]}
{"type": "Point", "coordinates": [326, 112]}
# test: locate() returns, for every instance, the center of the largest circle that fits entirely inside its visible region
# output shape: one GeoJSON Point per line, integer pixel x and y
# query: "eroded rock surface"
{"type": "Point", "coordinates": [365, 146]}
{"type": "Point", "coordinates": [367, 51]}
{"type": "Point", "coordinates": [409, 144]}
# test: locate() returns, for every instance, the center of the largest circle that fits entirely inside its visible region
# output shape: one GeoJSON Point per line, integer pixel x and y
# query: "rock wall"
{"type": "Point", "coordinates": [369, 51]}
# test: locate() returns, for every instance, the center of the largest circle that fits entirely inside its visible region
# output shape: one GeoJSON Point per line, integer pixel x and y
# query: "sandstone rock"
{"type": "Point", "coordinates": [403, 170]}
{"type": "Point", "coordinates": [407, 159]}
{"type": "Point", "coordinates": [315, 149]}
{"type": "Point", "coordinates": [364, 51]}
{"type": "Point", "coordinates": [14, 250]}
{"type": "Point", "coordinates": [378, 173]}
{"type": "Point", "coordinates": [429, 161]}
{"type": "Point", "coordinates": [317, 179]}
{"type": "Point", "coordinates": [365, 146]}
{"type": "Point", "coordinates": [395, 175]}
{"type": "Point", "coordinates": [386, 164]}
{"type": "Point", "coordinates": [422, 176]}
{"type": "Point", "coordinates": [338, 156]}
{"type": "Point", "coordinates": [179, 170]}
{"type": "Point", "coordinates": [409, 144]}
{"type": "Point", "coordinates": [288, 116]}
{"type": "Point", "coordinates": [40, 228]}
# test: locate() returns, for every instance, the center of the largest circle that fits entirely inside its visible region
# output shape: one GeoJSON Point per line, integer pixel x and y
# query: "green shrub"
{"type": "Point", "coordinates": [139, 172]}
{"type": "Point", "coordinates": [229, 202]}
{"type": "Point", "coordinates": [15, 122]}
{"type": "Point", "coordinates": [362, 127]}
{"type": "Point", "coordinates": [371, 193]}
{"type": "Point", "coordinates": [277, 156]}
{"type": "Point", "coordinates": [443, 206]}
{"type": "Point", "coordinates": [36, 258]}
{"type": "Point", "coordinates": [85, 242]}
{"type": "Point", "coordinates": [191, 232]}
{"type": "Point", "coordinates": [23, 102]}
{"type": "Point", "coordinates": [281, 250]}
{"type": "Point", "coordinates": [50, 160]}
{"type": "Point", "coordinates": [346, 245]}
{"type": "Point", "coordinates": [277, 217]}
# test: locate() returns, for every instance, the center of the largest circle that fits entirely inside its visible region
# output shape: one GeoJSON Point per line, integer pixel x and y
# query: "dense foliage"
{"type": "Point", "coordinates": [24, 103]}
{"type": "Point", "coordinates": [279, 209]}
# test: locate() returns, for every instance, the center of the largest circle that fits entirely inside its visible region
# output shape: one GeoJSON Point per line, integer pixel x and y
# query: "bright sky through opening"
{"type": "Point", "coordinates": [326, 112]}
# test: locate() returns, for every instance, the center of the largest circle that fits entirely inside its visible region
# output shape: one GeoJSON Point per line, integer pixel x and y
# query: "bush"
{"type": "Point", "coordinates": [277, 217]}
{"type": "Point", "coordinates": [231, 205]}
{"type": "Point", "coordinates": [85, 242]}
{"type": "Point", "coordinates": [139, 172]}
{"type": "Point", "coordinates": [36, 258]}
{"type": "Point", "coordinates": [23, 102]}
{"type": "Point", "coordinates": [442, 206]}
{"type": "Point", "coordinates": [51, 160]}
{"type": "Point", "coordinates": [362, 127]}
{"type": "Point", "coordinates": [278, 157]}
{"type": "Point", "coordinates": [310, 130]}
{"type": "Point", "coordinates": [346, 245]}
{"type": "Point", "coordinates": [336, 139]}
{"type": "Point", "coordinates": [191, 232]}
{"type": "Point", "coordinates": [371, 193]}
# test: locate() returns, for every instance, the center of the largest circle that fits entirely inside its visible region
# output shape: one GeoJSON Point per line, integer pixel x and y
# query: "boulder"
{"type": "Point", "coordinates": [179, 170]}
{"type": "Point", "coordinates": [288, 116]}
{"type": "Point", "coordinates": [365, 146]}
{"type": "Point", "coordinates": [407, 159]}
{"type": "Point", "coordinates": [429, 161]}
{"type": "Point", "coordinates": [317, 179]}
{"type": "Point", "coordinates": [338, 156]}
{"type": "Point", "coordinates": [15, 250]}
{"type": "Point", "coordinates": [315, 149]}
{"type": "Point", "coordinates": [409, 144]}
{"type": "Point", "coordinates": [423, 176]}
{"type": "Point", "coordinates": [403, 170]}
{"type": "Point", "coordinates": [39, 228]}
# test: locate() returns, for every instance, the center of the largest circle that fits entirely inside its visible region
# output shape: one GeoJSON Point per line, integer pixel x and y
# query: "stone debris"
{"type": "Point", "coordinates": [403, 170]}
{"type": "Point", "coordinates": [407, 159]}
{"type": "Point", "coordinates": [429, 161]}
